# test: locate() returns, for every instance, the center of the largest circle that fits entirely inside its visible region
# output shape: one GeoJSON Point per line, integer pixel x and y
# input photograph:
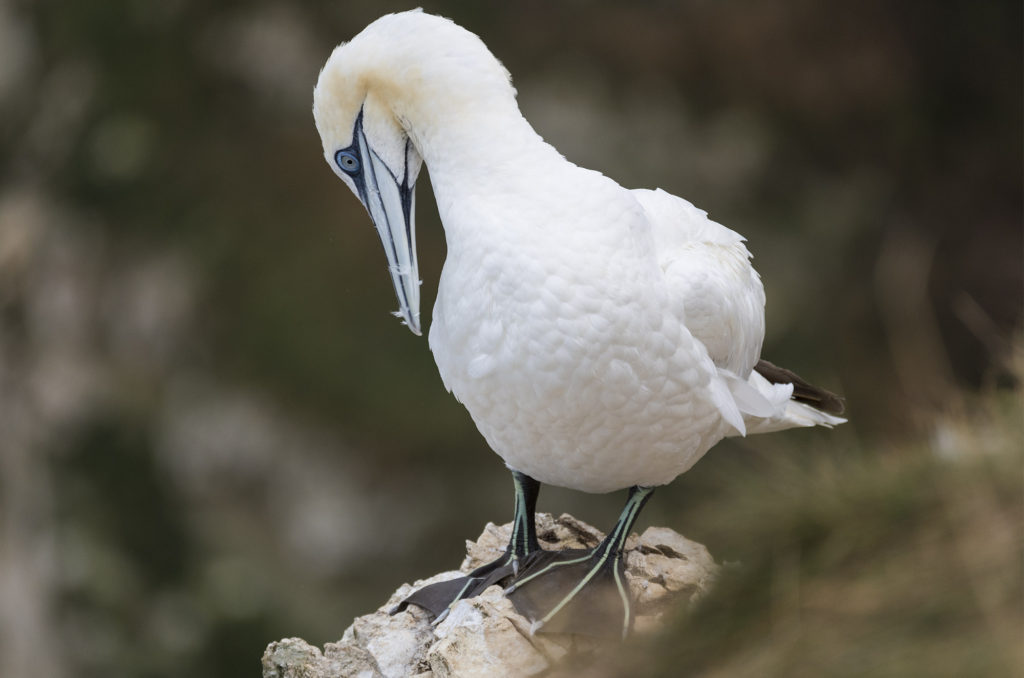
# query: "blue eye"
{"type": "Point", "coordinates": [347, 161]}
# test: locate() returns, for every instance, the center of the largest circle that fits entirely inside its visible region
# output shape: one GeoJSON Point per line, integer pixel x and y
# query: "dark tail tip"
{"type": "Point", "coordinates": [816, 397]}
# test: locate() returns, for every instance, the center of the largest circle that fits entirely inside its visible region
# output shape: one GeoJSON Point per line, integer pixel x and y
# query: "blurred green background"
{"type": "Point", "coordinates": [213, 434]}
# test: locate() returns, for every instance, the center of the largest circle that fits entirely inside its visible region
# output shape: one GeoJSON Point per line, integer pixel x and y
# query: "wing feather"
{"type": "Point", "coordinates": [713, 285]}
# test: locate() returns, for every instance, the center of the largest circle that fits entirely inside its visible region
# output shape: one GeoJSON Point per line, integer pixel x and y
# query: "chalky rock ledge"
{"type": "Point", "coordinates": [485, 635]}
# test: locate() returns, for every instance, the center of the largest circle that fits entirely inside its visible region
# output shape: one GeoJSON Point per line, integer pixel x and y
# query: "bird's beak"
{"type": "Point", "coordinates": [390, 200]}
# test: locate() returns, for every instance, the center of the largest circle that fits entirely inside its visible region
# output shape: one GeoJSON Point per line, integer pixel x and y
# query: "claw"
{"type": "Point", "coordinates": [444, 615]}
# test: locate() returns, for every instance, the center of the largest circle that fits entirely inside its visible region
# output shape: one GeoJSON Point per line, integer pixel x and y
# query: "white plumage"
{"type": "Point", "coordinates": [600, 337]}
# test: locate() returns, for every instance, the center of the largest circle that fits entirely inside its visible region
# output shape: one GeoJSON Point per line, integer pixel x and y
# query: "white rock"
{"type": "Point", "coordinates": [479, 639]}
{"type": "Point", "coordinates": [485, 636]}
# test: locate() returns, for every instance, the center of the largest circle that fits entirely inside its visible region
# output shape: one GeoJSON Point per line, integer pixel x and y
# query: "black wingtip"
{"type": "Point", "coordinates": [803, 392]}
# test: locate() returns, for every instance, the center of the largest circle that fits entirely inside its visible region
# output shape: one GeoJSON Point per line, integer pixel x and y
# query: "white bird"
{"type": "Point", "coordinates": [601, 338]}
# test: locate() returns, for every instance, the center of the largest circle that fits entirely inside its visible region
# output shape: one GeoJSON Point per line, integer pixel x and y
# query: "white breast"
{"type": "Point", "coordinates": [554, 327]}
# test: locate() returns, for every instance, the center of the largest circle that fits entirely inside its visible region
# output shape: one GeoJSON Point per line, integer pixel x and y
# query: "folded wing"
{"type": "Point", "coordinates": [719, 295]}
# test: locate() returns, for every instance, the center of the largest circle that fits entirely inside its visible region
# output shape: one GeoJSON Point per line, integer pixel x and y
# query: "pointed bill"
{"type": "Point", "coordinates": [390, 201]}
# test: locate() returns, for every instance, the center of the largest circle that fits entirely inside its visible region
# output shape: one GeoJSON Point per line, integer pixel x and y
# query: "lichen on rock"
{"type": "Point", "coordinates": [486, 636]}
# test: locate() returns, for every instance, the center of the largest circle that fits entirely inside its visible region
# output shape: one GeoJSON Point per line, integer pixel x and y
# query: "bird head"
{"type": "Point", "coordinates": [369, 149]}
{"type": "Point", "coordinates": [380, 104]}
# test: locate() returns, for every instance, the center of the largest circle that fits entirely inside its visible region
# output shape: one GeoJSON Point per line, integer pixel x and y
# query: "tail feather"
{"type": "Point", "coordinates": [780, 399]}
{"type": "Point", "coordinates": [803, 392]}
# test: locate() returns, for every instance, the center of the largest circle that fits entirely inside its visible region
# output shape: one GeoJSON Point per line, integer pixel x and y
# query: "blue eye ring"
{"type": "Point", "coordinates": [347, 161]}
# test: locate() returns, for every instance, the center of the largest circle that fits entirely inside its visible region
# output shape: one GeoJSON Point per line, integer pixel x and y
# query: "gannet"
{"type": "Point", "coordinates": [601, 338]}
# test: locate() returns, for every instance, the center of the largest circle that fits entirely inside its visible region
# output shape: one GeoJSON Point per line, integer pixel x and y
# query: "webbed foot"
{"type": "Point", "coordinates": [581, 591]}
{"type": "Point", "coordinates": [575, 591]}
{"type": "Point", "coordinates": [438, 598]}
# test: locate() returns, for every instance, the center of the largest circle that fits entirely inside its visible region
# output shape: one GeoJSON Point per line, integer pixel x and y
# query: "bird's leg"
{"type": "Point", "coordinates": [523, 540]}
{"type": "Point", "coordinates": [438, 598]}
{"type": "Point", "coordinates": [581, 591]}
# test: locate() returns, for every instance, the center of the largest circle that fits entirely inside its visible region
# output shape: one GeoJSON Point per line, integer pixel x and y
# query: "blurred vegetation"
{"type": "Point", "coordinates": [902, 564]}
{"type": "Point", "coordinates": [213, 434]}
